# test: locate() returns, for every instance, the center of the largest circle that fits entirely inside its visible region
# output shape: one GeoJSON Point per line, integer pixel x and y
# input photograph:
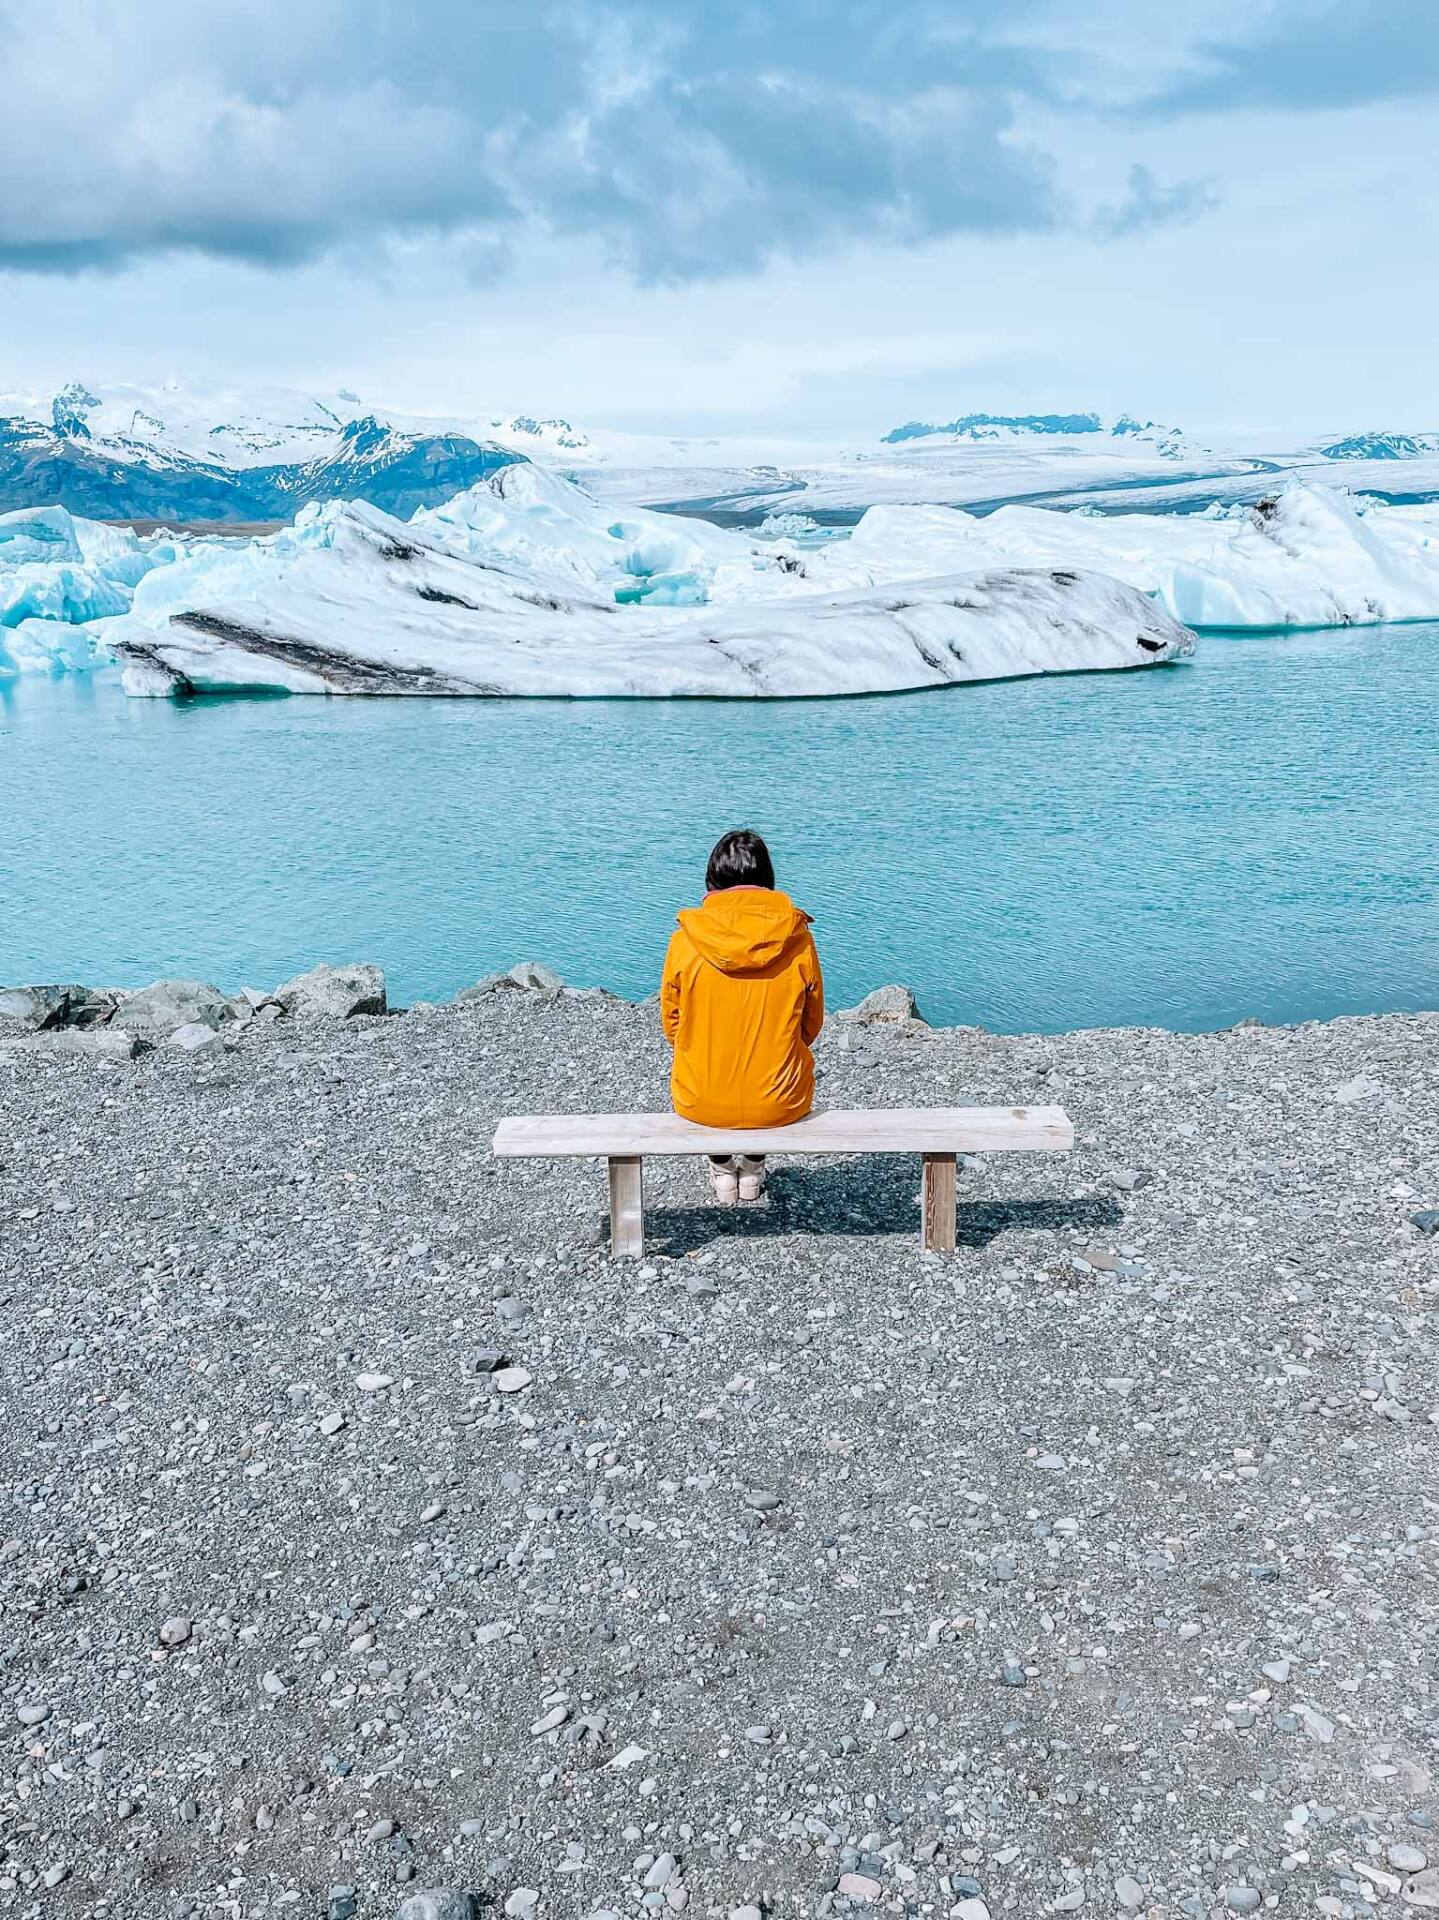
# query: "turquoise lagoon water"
{"type": "Point", "coordinates": [1252, 834]}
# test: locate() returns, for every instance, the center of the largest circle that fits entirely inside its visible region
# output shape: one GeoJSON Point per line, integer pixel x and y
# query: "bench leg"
{"type": "Point", "coordinates": [938, 1227]}
{"type": "Point", "coordinates": [627, 1207]}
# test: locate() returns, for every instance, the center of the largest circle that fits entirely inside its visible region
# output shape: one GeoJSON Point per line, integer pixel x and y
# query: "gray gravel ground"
{"type": "Point", "coordinates": [365, 1527]}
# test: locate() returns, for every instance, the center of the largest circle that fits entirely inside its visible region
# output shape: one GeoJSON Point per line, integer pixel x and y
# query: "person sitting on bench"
{"type": "Point", "coordinates": [742, 1003]}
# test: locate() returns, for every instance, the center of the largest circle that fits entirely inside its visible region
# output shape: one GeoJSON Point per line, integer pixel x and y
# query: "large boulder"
{"type": "Point", "coordinates": [39, 1009]}
{"type": "Point", "coordinates": [529, 976]}
{"type": "Point", "coordinates": [195, 1038]}
{"type": "Point", "coordinates": [159, 1010]}
{"type": "Point", "coordinates": [334, 993]}
{"type": "Point", "coordinates": [94, 1043]}
{"type": "Point", "coordinates": [439, 1903]}
{"type": "Point", "coordinates": [885, 1007]}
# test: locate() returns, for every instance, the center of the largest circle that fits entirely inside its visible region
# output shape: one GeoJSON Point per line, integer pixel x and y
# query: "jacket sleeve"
{"type": "Point", "coordinates": [670, 990]}
{"type": "Point", "coordinates": [813, 1017]}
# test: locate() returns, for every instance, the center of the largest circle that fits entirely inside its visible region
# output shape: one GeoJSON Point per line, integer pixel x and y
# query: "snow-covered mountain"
{"type": "Point", "coordinates": [197, 455]}
{"type": "Point", "coordinates": [205, 454]}
{"type": "Point", "coordinates": [1383, 446]}
{"type": "Point", "coordinates": [1017, 429]}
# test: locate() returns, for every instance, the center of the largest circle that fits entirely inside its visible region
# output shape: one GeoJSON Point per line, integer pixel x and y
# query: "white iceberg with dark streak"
{"type": "Point", "coordinates": [1306, 557]}
{"type": "Point", "coordinates": [353, 601]}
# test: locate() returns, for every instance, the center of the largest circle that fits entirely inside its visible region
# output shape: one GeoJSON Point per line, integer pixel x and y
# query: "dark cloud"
{"type": "Point", "coordinates": [1346, 53]}
{"type": "Point", "coordinates": [686, 140]}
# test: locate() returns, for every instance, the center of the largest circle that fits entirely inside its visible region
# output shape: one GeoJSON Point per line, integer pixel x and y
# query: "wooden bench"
{"type": "Point", "coordinates": [937, 1133]}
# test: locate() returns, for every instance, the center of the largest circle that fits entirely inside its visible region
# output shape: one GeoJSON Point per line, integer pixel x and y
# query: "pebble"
{"type": "Point", "coordinates": [1316, 1724]}
{"type": "Point", "coordinates": [32, 1713]}
{"type": "Point", "coordinates": [1243, 1899]}
{"type": "Point", "coordinates": [662, 1872]}
{"type": "Point", "coordinates": [379, 1617]}
{"type": "Point", "coordinates": [373, 1382]}
{"type": "Point", "coordinates": [175, 1631]}
{"type": "Point", "coordinates": [510, 1380]}
{"type": "Point", "coordinates": [859, 1886]}
{"type": "Point", "coordinates": [1405, 1858]}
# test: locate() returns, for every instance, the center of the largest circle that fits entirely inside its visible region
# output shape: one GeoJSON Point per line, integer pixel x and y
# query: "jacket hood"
{"type": "Point", "coordinates": [744, 929]}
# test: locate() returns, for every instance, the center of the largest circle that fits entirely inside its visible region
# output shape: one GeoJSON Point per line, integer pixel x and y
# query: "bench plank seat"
{"type": "Point", "coordinates": [556, 1136]}
{"type": "Point", "coordinates": [937, 1133]}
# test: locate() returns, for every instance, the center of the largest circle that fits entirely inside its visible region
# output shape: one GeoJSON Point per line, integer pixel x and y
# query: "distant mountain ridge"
{"type": "Point", "coordinates": [203, 455]}
{"type": "Point", "coordinates": [1383, 446]}
{"type": "Point", "coordinates": [1011, 426]}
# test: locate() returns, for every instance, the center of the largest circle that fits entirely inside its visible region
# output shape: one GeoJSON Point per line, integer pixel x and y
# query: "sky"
{"type": "Point", "coordinates": [813, 218]}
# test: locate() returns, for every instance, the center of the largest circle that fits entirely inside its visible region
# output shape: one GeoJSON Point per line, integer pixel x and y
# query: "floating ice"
{"type": "Point", "coordinates": [353, 601]}
{"type": "Point", "coordinates": [533, 518]}
{"type": "Point", "coordinates": [1310, 557]}
{"type": "Point", "coordinates": [48, 646]}
{"type": "Point", "coordinates": [527, 584]}
{"type": "Point", "coordinates": [58, 572]}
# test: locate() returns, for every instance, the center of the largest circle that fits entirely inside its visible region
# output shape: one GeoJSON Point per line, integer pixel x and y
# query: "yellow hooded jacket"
{"type": "Point", "coordinates": [742, 1002]}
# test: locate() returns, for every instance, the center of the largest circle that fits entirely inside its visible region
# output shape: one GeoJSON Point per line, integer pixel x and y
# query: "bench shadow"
{"type": "Point", "coordinates": [874, 1193]}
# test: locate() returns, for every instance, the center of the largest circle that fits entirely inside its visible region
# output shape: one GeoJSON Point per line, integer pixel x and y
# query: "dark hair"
{"type": "Point", "coordinates": [740, 859]}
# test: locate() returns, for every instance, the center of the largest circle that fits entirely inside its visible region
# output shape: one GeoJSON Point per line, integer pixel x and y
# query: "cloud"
{"type": "Point", "coordinates": [1148, 204]}
{"type": "Point", "coordinates": [1346, 53]}
{"type": "Point", "coordinates": [686, 139]}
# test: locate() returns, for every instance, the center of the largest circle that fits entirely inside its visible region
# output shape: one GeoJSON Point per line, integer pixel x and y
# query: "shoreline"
{"type": "Point", "coordinates": [373, 1531]}
{"type": "Point", "coordinates": [337, 993]}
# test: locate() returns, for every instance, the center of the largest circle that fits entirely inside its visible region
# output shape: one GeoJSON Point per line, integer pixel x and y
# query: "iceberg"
{"type": "Point", "coordinates": [533, 518]}
{"type": "Point", "coordinates": [526, 583]}
{"type": "Point", "coordinates": [353, 601]}
{"type": "Point", "coordinates": [58, 572]}
{"type": "Point", "coordinates": [48, 646]}
{"type": "Point", "coordinates": [1307, 557]}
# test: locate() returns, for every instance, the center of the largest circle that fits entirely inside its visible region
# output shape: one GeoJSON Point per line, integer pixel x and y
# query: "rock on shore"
{"type": "Point", "coordinates": [187, 1015]}
{"type": "Point", "coordinates": [369, 1534]}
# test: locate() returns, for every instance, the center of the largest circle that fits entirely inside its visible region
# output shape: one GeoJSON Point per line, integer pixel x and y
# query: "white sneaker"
{"type": "Point", "coordinates": [724, 1182]}
{"type": "Point", "coordinates": [751, 1177]}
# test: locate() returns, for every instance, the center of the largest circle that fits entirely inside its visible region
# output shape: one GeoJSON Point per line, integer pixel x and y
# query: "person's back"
{"type": "Point", "coordinates": [742, 999]}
